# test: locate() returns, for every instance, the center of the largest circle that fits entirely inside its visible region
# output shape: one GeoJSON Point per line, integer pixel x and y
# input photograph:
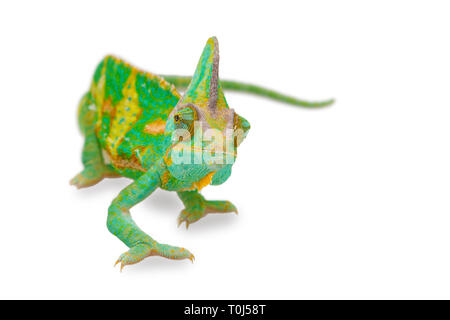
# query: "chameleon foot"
{"type": "Point", "coordinates": [91, 176]}
{"type": "Point", "coordinates": [86, 178]}
{"type": "Point", "coordinates": [195, 213]}
{"type": "Point", "coordinates": [142, 251]}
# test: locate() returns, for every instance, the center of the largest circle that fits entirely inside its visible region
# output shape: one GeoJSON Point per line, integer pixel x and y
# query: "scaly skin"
{"type": "Point", "coordinates": [196, 207]}
{"type": "Point", "coordinates": [131, 121]}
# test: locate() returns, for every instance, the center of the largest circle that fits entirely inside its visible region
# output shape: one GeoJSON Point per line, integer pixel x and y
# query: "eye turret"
{"type": "Point", "coordinates": [184, 120]}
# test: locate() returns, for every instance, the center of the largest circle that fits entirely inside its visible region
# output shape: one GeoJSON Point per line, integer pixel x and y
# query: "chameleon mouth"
{"type": "Point", "coordinates": [213, 152]}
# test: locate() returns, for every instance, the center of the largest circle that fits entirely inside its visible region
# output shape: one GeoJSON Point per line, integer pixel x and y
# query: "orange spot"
{"type": "Point", "coordinates": [203, 182]}
{"type": "Point", "coordinates": [121, 163]}
{"type": "Point", "coordinates": [165, 178]}
{"type": "Point", "coordinates": [155, 127]}
{"type": "Point", "coordinates": [107, 107]}
{"type": "Point", "coordinates": [167, 158]}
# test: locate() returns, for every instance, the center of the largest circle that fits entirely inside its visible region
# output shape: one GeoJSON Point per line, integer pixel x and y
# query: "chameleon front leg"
{"type": "Point", "coordinates": [122, 225]}
{"type": "Point", "coordinates": [196, 207]}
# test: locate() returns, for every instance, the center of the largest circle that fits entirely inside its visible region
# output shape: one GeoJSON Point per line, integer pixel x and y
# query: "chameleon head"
{"type": "Point", "coordinates": [205, 131]}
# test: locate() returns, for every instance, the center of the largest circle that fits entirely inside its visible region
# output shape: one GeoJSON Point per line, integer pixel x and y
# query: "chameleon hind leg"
{"type": "Point", "coordinates": [94, 167]}
{"type": "Point", "coordinates": [196, 207]}
{"type": "Point", "coordinates": [122, 225]}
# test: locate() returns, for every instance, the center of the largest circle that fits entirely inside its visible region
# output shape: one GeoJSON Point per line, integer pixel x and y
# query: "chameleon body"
{"type": "Point", "coordinates": [136, 123]}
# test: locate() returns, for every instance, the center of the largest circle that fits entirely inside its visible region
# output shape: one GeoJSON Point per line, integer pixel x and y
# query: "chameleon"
{"type": "Point", "coordinates": [138, 125]}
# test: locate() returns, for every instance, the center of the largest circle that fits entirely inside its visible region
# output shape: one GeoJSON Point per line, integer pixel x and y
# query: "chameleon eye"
{"type": "Point", "coordinates": [185, 119]}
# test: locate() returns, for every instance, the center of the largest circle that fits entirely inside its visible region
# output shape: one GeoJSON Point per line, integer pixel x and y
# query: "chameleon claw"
{"type": "Point", "coordinates": [192, 258]}
{"type": "Point", "coordinates": [122, 265]}
{"type": "Point", "coordinates": [180, 221]}
{"type": "Point", "coordinates": [73, 182]}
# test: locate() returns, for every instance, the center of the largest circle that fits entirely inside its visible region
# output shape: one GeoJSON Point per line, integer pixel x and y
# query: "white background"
{"type": "Point", "coordinates": [351, 201]}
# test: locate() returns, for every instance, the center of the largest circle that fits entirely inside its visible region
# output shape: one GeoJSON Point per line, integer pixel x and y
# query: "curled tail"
{"type": "Point", "coordinates": [181, 82]}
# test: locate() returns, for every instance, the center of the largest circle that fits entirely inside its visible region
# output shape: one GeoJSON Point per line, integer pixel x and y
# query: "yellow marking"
{"type": "Point", "coordinates": [203, 182]}
{"type": "Point", "coordinates": [127, 112]}
{"type": "Point", "coordinates": [162, 82]}
{"type": "Point", "coordinates": [98, 90]}
{"type": "Point", "coordinates": [155, 127]}
{"type": "Point", "coordinates": [98, 94]}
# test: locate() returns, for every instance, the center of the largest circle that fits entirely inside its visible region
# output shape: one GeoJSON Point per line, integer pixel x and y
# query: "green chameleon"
{"type": "Point", "coordinates": [137, 125]}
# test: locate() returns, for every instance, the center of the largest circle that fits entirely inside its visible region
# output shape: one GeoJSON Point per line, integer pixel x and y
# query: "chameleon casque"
{"type": "Point", "coordinates": [129, 119]}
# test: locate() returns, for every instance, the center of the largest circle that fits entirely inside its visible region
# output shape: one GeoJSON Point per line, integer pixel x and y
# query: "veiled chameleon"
{"type": "Point", "coordinates": [137, 125]}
